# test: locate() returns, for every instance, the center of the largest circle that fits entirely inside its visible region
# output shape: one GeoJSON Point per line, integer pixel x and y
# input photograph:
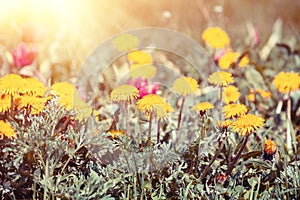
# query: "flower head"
{"type": "Point", "coordinates": [124, 93]}
{"type": "Point", "coordinates": [144, 86]}
{"type": "Point", "coordinates": [244, 61]}
{"type": "Point", "coordinates": [115, 133]}
{"type": "Point", "coordinates": [126, 42]}
{"type": "Point", "coordinates": [11, 84]}
{"type": "Point", "coordinates": [32, 86]}
{"type": "Point", "coordinates": [215, 37]}
{"type": "Point", "coordinates": [62, 89]}
{"type": "Point", "coordinates": [202, 107]}
{"type": "Point", "coordinates": [185, 86]}
{"type": "Point", "coordinates": [139, 57]}
{"type": "Point", "coordinates": [246, 124]}
{"type": "Point", "coordinates": [234, 110]}
{"type": "Point", "coordinates": [220, 78]}
{"type": "Point", "coordinates": [5, 102]}
{"type": "Point", "coordinates": [269, 147]}
{"type": "Point", "coordinates": [6, 130]}
{"type": "Point", "coordinates": [286, 82]}
{"type": "Point", "coordinates": [151, 104]}
{"type": "Point", "coordinates": [162, 110]}
{"type": "Point", "coordinates": [142, 70]}
{"type": "Point", "coordinates": [227, 59]}
{"type": "Point", "coordinates": [23, 56]}
{"type": "Point", "coordinates": [225, 124]}
{"type": "Point", "coordinates": [264, 94]}
{"type": "Point", "coordinates": [231, 94]}
{"type": "Point", "coordinates": [33, 103]}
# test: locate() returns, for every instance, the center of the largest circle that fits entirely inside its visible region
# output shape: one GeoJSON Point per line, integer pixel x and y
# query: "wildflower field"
{"type": "Point", "coordinates": [154, 111]}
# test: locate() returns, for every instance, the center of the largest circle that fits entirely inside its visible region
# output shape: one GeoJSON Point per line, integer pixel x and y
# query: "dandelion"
{"type": "Point", "coordinates": [286, 82]}
{"type": "Point", "coordinates": [202, 107]}
{"type": "Point", "coordinates": [34, 104]}
{"type": "Point", "coordinates": [142, 70]}
{"type": "Point", "coordinates": [244, 61]}
{"type": "Point", "coordinates": [115, 133]}
{"type": "Point", "coordinates": [215, 37]}
{"type": "Point", "coordinates": [6, 130]}
{"type": "Point", "coordinates": [220, 78]}
{"type": "Point", "coordinates": [32, 86]}
{"type": "Point", "coordinates": [234, 110]}
{"type": "Point", "coordinates": [225, 124]}
{"type": "Point", "coordinates": [5, 103]}
{"type": "Point", "coordinates": [139, 57]}
{"type": "Point", "coordinates": [62, 89]}
{"type": "Point", "coordinates": [231, 94]}
{"type": "Point", "coordinates": [124, 93]}
{"type": "Point", "coordinates": [247, 124]}
{"type": "Point", "coordinates": [269, 150]}
{"type": "Point", "coordinates": [264, 94]}
{"type": "Point", "coordinates": [184, 86]}
{"type": "Point", "coordinates": [125, 42]}
{"type": "Point", "coordinates": [11, 84]}
{"type": "Point", "coordinates": [227, 59]}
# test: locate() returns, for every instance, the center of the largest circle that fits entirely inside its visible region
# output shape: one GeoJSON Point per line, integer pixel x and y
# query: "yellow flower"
{"type": "Point", "coordinates": [234, 110]}
{"type": "Point", "coordinates": [227, 59]}
{"type": "Point", "coordinates": [11, 84]}
{"type": "Point", "coordinates": [62, 89]}
{"type": "Point", "coordinates": [251, 96]}
{"type": "Point", "coordinates": [264, 94]}
{"type": "Point", "coordinates": [139, 57]}
{"type": "Point", "coordinates": [202, 107]}
{"type": "Point", "coordinates": [215, 37]}
{"type": "Point", "coordinates": [35, 104]}
{"type": "Point", "coordinates": [6, 130]}
{"type": "Point", "coordinates": [246, 124]}
{"type": "Point", "coordinates": [151, 103]}
{"type": "Point", "coordinates": [5, 103]}
{"type": "Point", "coordinates": [33, 86]}
{"type": "Point", "coordinates": [124, 93]}
{"type": "Point", "coordinates": [286, 82]}
{"type": "Point", "coordinates": [231, 94]}
{"type": "Point", "coordinates": [185, 86]}
{"type": "Point", "coordinates": [142, 70]}
{"type": "Point", "coordinates": [126, 42]}
{"type": "Point", "coordinates": [220, 78]}
{"type": "Point", "coordinates": [244, 61]}
{"type": "Point", "coordinates": [225, 124]}
{"type": "Point", "coordinates": [115, 133]}
{"type": "Point", "coordinates": [269, 147]}
{"type": "Point", "coordinates": [162, 110]}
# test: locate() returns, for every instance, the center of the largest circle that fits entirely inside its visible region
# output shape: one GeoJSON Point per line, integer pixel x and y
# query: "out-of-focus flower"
{"type": "Point", "coordinates": [215, 37]}
{"type": "Point", "coordinates": [148, 104]}
{"type": "Point", "coordinates": [5, 102]}
{"type": "Point", "coordinates": [142, 70]}
{"type": "Point", "coordinates": [62, 89]}
{"type": "Point", "coordinates": [264, 94]}
{"type": "Point", "coordinates": [32, 32]}
{"type": "Point", "coordinates": [23, 56]}
{"type": "Point", "coordinates": [6, 130]}
{"type": "Point", "coordinates": [161, 111]}
{"type": "Point", "coordinates": [139, 57]}
{"type": "Point", "coordinates": [202, 107]}
{"type": "Point", "coordinates": [247, 124]}
{"type": "Point", "coordinates": [185, 86]}
{"type": "Point", "coordinates": [33, 103]}
{"type": "Point", "coordinates": [286, 82]}
{"type": "Point", "coordinates": [144, 86]}
{"type": "Point", "coordinates": [220, 78]}
{"type": "Point", "coordinates": [269, 150]}
{"type": "Point", "coordinates": [225, 124]}
{"type": "Point", "coordinates": [231, 94]}
{"type": "Point", "coordinates": [244, 61]}
{"type": "Point", "coordinates": [227, 59]}
{"type": "Point", "coordinates": [126, 42]}
{"type": "Point", "coordinates": [124, 93]}
{"type": "Point", "coordinates": [116, 133]}
{"type": "Point", "coordinates": [11, 84]}
{"type": "Point", "coordinates": [234, 110]}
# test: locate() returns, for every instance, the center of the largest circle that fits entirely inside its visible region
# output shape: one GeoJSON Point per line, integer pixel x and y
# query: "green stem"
{"type": "Point", "coordinates": [149, 131]}
{"type": "Point", "coordinates": [180, 113]}
{"type": "Point", "coordinates": [158, 133]}
{"type": "Point", "coordinates": [221, 102]}
{"type": "Point", "coordinates": [232, 164]}
{"type": "Point", "coordinates": [288, 129]}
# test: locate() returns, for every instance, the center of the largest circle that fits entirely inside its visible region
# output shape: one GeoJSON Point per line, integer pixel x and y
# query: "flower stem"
{"type": "Point", "coordinates": [149, 131]}
{"type": "Point", "coordinates": [232, 164]}
{"type": "Point", "coordinates": [288, 129]}
{"type": "Point", "coordinates": [158, 133]}
{"type": "Point", "coordinates": [127, 122]}
{"type": "Point", "coordinates": [203, 127]}
{"type": "Point", "coordinates": [221, 102]}
{"type": "Point", "coordinates": [180, 113]}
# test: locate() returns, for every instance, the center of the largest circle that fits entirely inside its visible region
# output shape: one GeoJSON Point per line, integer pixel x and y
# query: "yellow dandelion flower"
{"type": "Point", "coordinates": [62, 89]}
{"type": "Point", "coordinates": [286, 82]}
{"type": "Point", "coordinates": [220, 78]}
{"type": "Point", "coordinates": [33, 86]}
{"type": "Point", "coordinates": [126, 42]}
{"type": "Point", "coordinates": [225, 124]}
{"type": "Point", "coordinates": [227, 59]}
{"type": "Point", "coordinates": [162, 110]}
{"type": "Point", "coordinates": [142, 70]}
{"type": "Point", "coordinates": [124, 93]}
{"type": "Point", "coordinates": [6, 130]}
{"type": "Point", "coordinates": [230, 94]}
{"type": "Point", "coordinates": [202, 107]}
{"type": "Point", "coordinates": [215, 37]}
{"type": "Point", "coordinates": [247, 124]}
{"type": "Point", "coordinates": [149, 102]}
{"type": "Point", "coordinates": [264, 94]}
{"type": "Point", "coordinates": [116, 133]}
{"type": "Point", "coordinates": [269, 147]}
{"type": "Point", "coordinates": [35, 104]}
{"type": "Point", "coordinates": [139, 57]}
{"type": "Point", "coordinates": [185, 86]}
{"type": "Point", "coordinates": [234, 110]}
{"type": "Point", "coordinates": [244, 61]}
{"type": "Point", "coordinates": [5, 102]}
{"type": "Point", "coordinates": [11, 84]}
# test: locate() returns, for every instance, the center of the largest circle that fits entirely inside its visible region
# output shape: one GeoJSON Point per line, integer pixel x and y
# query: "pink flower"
{"type": "Point", "coordinates": [23, 56]}
{"type": "Point", "coordinates": [144, 86]}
